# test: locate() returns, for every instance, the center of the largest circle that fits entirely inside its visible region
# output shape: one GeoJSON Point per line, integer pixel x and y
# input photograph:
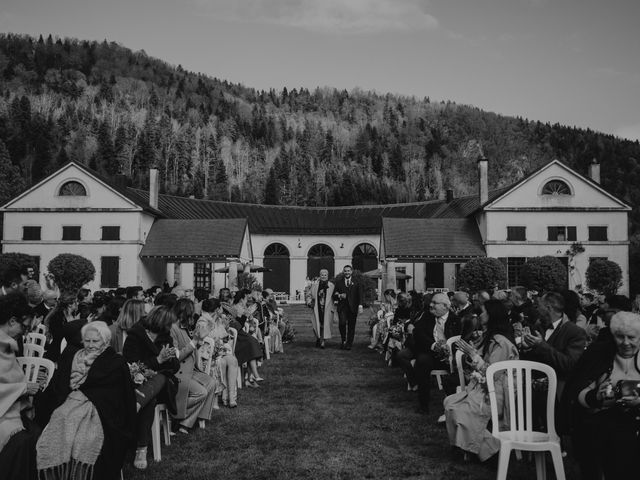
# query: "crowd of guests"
{"type": "Point", "coordinates": [592, 344]}
{"type": "Point", "coordinates": [118, 354]}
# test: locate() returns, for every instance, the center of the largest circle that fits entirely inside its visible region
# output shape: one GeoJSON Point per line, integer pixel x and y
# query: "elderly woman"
{"type": "Point", "coordinates": [149, 343]}
{"type": "Point", "coordinates": [17, 437]}
{"type": "Point", "coordinates": [91, 428]}
{"type": "Point", "coordinates": [603, 404]}
{"type": "Point", "coordinates": [196, 389]}
{"type": "Point", "coordinates": [468, 412]}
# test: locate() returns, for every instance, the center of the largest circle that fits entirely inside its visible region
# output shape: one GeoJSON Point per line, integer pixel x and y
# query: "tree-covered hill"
{"type": "Point", "coordinates": [122, 112]}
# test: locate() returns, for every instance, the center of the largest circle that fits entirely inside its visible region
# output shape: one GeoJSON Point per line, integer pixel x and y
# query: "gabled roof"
{"type": "Point", "coordinates": [124, 192]}
{"type": "Point", "coordinates": [193, 240]}
{"type": "Point", "coordinates": [546, 166]}
{"type": "Point", "coordinates": [410, 239]}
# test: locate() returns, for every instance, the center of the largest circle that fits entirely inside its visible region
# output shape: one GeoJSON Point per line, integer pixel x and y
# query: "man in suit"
{"type": "Point", "coordinates": [349, 296]}
{"type": "Point", "coordinates": [427, 344]}
{"type": "Point", "coordinates": [557, 341]}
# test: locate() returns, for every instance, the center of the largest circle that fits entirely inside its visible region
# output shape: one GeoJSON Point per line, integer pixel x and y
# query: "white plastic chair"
{"type": "Point", "coordinates": [33, 350]}
{"type": "Point", "coordinates": [234, 338]}
{"type": "Point", "coordinates": [521, 434]}
{"type": "Point", "coordinates": [162, 420]}
{"type": "Point", "coordinates": [440, 373]}
{"type": "Point", "coordinates": [37, 338]}
{"type": "Point", "coordinates": [32, 366]}
{"type": "Point", "coordinates": [41, 328]}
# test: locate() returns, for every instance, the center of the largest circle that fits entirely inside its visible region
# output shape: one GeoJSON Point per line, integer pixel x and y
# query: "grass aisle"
{"type": "Point", "coordinates": [321, 414]}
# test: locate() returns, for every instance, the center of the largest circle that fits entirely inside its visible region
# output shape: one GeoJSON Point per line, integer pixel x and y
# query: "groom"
{"type": "Point", "coordinates": [349, 295]}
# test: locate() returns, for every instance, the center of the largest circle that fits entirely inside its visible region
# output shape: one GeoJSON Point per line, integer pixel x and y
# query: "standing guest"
{"type": "Point", "coordinates": [604, 420]}
{"type": "Point", "coordinates": [556, 342]}
{"type": "Point", "coordinates": [468, 412]}
{"type": "Point", "coordinates": [63, 313]}
{"type": "Point", "coordinates": [17, 435]}
{"type": "Point", "coordinates": [10, 280]}
{"type": "Point", "coordinates": [48, 303]}
{"type": "Point", "coordinates": [132, 312]}
{"type": "Point", "coordinates": [112, 310]}
{"type": "Point", "coordinates": [149, 342]}
{"type": "Point", "coordinates": [196, 389]}
{"type": "Point", "coordinates": [91, 427]}
{"type": "Point", "coordinates": [349, 296]}
{"type": "Point", "coordinates": [275, 335]}
{"type": "Point", "coordinates": [248, 349]}
{"type": "Point", "coordinates": [320, 301]}
{"type": "Point", "coordinates": [136, 292]}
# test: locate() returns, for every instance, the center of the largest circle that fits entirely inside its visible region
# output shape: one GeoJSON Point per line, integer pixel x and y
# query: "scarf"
{"type": "Point", "coordinates": [71, 443]}
{"type": "Point", "coordinates": [81, 364]}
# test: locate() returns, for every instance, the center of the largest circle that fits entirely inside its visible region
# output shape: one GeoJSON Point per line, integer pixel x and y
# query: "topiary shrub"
{"type": "Point", "coordinates": [15, 261]}
{"type": "Point", "coordinates": [368, 286]}
{"type": "Point", "coordinates": [483, 273]}
{"type": "Point", "coordinates": [604, 276]}
{"type": "Point", "coordinates": [71, 272]}
{"type": "Point", "coordinates": [248, 281]}
{"type": "Point", "coordinates": [544, 274]}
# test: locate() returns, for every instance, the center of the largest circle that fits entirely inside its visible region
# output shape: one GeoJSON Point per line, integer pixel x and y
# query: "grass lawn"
{"type": "Point", "coordinates": [323, 414]}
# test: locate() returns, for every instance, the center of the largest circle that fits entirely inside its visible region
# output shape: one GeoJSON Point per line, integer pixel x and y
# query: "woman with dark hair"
{"type": "Point", "coordinates": [149, 342]}
{"type": "Point", "coordinates": [468, 412]}
{"type": "Point", "coordinates": [196, 390]}
{"type": "Point", "coordinates": [56, 320]}
{"type": "Point", "coordinates": [248, 349]}
{"type": "Point", "coordinates": [112, 310]}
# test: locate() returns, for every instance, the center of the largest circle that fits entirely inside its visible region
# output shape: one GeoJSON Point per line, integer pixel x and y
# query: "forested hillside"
{"type": "Point", "coordinates": [122, 112]}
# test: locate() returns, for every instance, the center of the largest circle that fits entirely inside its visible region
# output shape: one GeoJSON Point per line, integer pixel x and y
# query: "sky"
{"type": "Point", "coordinates": [573, 62]}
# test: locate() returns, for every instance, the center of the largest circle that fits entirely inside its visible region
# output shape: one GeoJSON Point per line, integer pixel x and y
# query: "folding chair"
{"type": "Point", "coordinates": [521, 434]}
{"type": "Point", "coordinates": [162, 420]}
{"type": "Point", "coordinates": [33, 366]}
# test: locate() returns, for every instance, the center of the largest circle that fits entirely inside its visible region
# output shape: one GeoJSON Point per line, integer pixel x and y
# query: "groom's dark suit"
{"type": "Point", "coordinates": [348, 307]}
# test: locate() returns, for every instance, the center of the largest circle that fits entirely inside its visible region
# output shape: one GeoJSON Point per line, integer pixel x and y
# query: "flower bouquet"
{"type": "Point", "coordinates": [140, 373]}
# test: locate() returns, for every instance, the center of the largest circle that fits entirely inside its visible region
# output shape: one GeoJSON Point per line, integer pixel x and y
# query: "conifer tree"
{"type": "Point", "coordinates": [11, 180]}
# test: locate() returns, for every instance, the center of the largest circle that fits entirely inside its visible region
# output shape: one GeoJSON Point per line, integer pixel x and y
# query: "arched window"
{"type": "Point", "coordinates": [365, 257]}
{"type": "Point", "coordinates": [72, 189]}
{"type": "Point", "coordinates": [278, 275]}
{"type": "Point", "coordinates": [320, 256]}
{"type": "Point", "coordinates": [556, 187]}
{"type": "Point", "coordinates": [276, 250]}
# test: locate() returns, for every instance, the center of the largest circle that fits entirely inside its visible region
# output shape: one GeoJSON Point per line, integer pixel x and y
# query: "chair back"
{"type": "Point", "coordinates": [450, 342]}
{"type": "Point", "coordinates": [33, 350]}
{"type": "Point", "coordinates": [460, 367]}
{"type": "Point", "coordinates": [32, 368]}
{"type": "Point", "coordinates": [37, 338]}
{"type": "Point", "coordinates": [41, 328]}
{"type": "Point", "coordinates": [234, 337]}
{"type": "Point", "coordinates": [211, 345]}
{"type": "Point", "coordinates": [517, 375]}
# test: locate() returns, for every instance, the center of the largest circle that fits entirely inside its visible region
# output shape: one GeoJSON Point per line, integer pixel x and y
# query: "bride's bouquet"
{"type": "Point", "coordinates": [140, 373]}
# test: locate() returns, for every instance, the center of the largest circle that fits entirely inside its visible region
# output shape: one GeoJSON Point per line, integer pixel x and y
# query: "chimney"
{"type": "Point", "coordinates": [449, 197]}
{"type": "Point", "coordinates": [483, 180]}
{"type": "Point", "coordinates": [153, 188]}
{"type": "Point", "coordinates": [594, 171]}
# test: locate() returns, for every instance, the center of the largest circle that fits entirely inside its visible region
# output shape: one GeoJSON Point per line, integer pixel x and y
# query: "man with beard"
{"type": "Point", "coordinates": [349, 296]}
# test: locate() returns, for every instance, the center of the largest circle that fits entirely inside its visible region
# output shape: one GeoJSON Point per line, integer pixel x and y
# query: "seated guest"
{"type": "Point", "coordinates": [275, 335]}
{"type": "Point", "coordinates": [224, 365]}
{"type": "Point", "coordinates": [132, 311]}
{"type": "Point", "coordinates": [460, 304]}
{"type": "Point", "coordinates": [427, 344]}
{"type": "Point", "coordinates": [149, 342]}
{"type": "Point", "coordinates": [17, 434]}
{"type": "Point", "coordinates": [248, 349]}
{"type": "Point", "coordinates": [468, 412]}
{"type": "Point", "coordinates": [92, 424]}
{"type": "Point", "coordinates": [48, 303]}
{"type": "Point", "coordinates": [382, 320]}
{"type": "Point", "coordinates": [556, 341]}
{"type": "Point", "coordinates": [604, 415]}
{"type": "Point", "coordinates": [195, 396]}
{"type": "Point", "coordinates": [112, 309]}
{"type": "Point", "coordinates": [612, 305]}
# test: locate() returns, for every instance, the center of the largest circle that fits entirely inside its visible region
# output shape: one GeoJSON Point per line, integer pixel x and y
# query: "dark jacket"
{"type": "Point", "coordinates": [110, 388]}
{"type": "Point", "coordinates": [424, 325]}
{"type": "Point", "coordinates": [355, 295]}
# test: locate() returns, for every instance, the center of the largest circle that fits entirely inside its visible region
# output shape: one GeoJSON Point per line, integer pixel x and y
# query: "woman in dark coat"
{"type": "Point", "coordinates": [93, 404]}
{"type": "Point", "coordinates": [605, 424]}
{"type": "Point", "coordinates": [150, 343]}
{"type": "Point", "coordinates": [248, 349]}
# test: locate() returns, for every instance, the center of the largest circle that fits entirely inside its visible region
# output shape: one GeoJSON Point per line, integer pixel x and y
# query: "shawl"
{"type": "Point", "coordinates": [12, 389]}
{"type": "Point", "coordinates": [81, 364]}
{"type": "Point", "coordinates": [71, 443]}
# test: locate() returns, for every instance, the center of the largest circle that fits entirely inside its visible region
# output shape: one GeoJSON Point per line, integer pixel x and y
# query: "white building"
{"type": "Point", "coordinates": [136, 237]}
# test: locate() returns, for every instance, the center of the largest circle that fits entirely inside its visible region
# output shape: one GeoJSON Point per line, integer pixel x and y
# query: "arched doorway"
{"type": "Point", "coordinates": [365, 258]}
{"type": "Point", "coordinates": [320, 256]}
{"type": "Point", "coordinates": [276, 257]}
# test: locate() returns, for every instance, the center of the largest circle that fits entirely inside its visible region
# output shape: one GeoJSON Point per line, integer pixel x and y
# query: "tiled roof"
{"type": "Point", "coordinates": [213, 240]}
{"type": "Point", "coordinates": [283, 220]}
{"type": "Point", "coordinates": [410, 239]}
